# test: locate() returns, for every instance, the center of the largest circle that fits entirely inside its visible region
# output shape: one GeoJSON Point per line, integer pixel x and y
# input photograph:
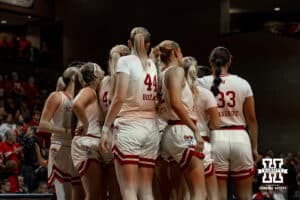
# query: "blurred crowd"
{"type": "Point", "coordinates": [21, 101]}
{"type": "Point", "coordinates": [18, 48]}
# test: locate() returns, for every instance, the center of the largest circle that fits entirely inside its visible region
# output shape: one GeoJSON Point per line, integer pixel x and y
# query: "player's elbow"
{"type": "Point", "coordinates": [118, 99]}
{"type": "Point", "coordinates": [76, 107]}
{"type": "Point", "coordinates": [175, 105]}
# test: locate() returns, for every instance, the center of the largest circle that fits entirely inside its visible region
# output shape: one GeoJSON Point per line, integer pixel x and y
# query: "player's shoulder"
{"type": "Point", "coordinates": [206, 78]}
{"type": "Point", "coordinates": [56, 95]}
{"type": "Point", "coordinates": [105, 80]}
{"type": "Point", "coordinates": [128, 58]}
{"type": "Point", "coordinates": [174, 71]}
{"type": "Point", "coordinates": [204, 92]}
{"type": "Point", "coordinates": [206, 81]}
{"type": "Point", "coordinates": [239, 79]}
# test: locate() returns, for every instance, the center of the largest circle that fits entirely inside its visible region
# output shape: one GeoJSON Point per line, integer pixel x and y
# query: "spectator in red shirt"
{"type": "Point", "coordinates": [12, 151]}
{"type": "Point", "coordinates": [24, 47]}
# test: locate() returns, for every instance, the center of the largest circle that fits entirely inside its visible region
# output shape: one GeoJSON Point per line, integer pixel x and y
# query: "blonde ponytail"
{"type": "Point", "coordinates": [139, 49]}
{"type": "Point", "coordinates": [115, 53]}
{"type": "Point", "coordinates": [60, 84]}
{"type": "Point", "coordinates": [139, 37]}
{"type": "Point", "coordinates": [190, 66]}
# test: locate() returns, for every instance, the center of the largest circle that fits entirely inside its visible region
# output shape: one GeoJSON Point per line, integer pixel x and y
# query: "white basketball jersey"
{"type": "Point", "coordinates": [93, 116]}
{"type": "Point", "coordinates": [166, 111]}
{"type": "Point", "coordinates": [233, 92]}
{"type": "Point", "coordinates": [104, 96]}
{"type": "Point", "coordinates": [141, 94]}
{"type": "Point", "coordinates": [62, 116]}
{"type": "Point", "coordinates": [205, 101]}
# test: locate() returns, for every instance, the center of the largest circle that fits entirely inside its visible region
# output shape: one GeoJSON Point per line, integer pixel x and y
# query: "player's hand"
{"type": "Point", "coordinates": [199, 141]}
{"type": "Point", "coordinates": [81, 130]}
{"type": "Point", "coordinates": [105, 140]}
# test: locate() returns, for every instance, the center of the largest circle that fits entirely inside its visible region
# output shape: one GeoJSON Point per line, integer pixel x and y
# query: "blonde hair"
{"type": "Point", "coordinates": [70, 74]}
{"type": "Point", "coordinates": [140, 36]}
{"type": "Point", "coordinates": [90, 72]}
{"type": "Point", "coordinates": [162, 52]}
{"type": "Point", "coordinates": [191, 72]}
{"type": "Point", "coordinates": [115, 53]}
{"type": "Point", "coordinates": [60, 85]}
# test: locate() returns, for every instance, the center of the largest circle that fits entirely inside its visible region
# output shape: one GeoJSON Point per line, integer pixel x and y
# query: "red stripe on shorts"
{"type": "Point", "coordinates": [85, 165]}
{"type": "Point", "coordinates": [242, 174]}
{"type": "Point", "coordinates": [209, 170]}
{"type": "Point", "coordinates": [187, 156]}
{"type": "Point", "coordinates": [124, 159]}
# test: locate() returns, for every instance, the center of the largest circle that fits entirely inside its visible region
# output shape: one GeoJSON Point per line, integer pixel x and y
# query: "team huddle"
{"type": "Point", "coordinates": [151, 129]}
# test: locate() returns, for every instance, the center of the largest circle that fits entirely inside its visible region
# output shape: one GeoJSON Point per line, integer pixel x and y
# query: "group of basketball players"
{"type": "Point", "coordinates": [151, 129]}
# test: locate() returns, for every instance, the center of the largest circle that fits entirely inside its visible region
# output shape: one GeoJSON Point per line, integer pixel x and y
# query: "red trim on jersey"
{"type": "Point", "coordinates": [67, 95]}
{"type": "Point", "coordinates": [187, 156]}
{"type": "Point", "coordinates": [232, 127]}
{"type": "Point", "coordinates": [179, 122]}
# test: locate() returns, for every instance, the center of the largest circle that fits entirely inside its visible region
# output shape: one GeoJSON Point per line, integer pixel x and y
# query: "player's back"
{"type": "Point", "coordinates": [233, 92]}
{"type": "Point", "coordinates": [62, 116]}
{"type": "Point", "coordinates": [167, 112]}
{"type": "Point", "coordinates": [141, 94]}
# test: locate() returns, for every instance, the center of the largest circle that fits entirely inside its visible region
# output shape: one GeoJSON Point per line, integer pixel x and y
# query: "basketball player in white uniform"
{"type": "Point", "coordinates": [232, 149]}
{"type": "Point", "coordinates": [56, 118]}
{"type": "Point", "coordinates": [106, 94]}
{"type": "Point", "coordinates": [181, 139]}
{"type": "Point", "coordinates": [136, 138]}
{"type": "Point", "coordinates": [85, 154]}
{"type": "Point", "coordinates": [205, 107]}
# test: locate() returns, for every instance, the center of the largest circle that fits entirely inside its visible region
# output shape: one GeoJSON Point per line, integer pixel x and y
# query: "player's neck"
{"type": "Point", "coordinates": [70, 90]}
